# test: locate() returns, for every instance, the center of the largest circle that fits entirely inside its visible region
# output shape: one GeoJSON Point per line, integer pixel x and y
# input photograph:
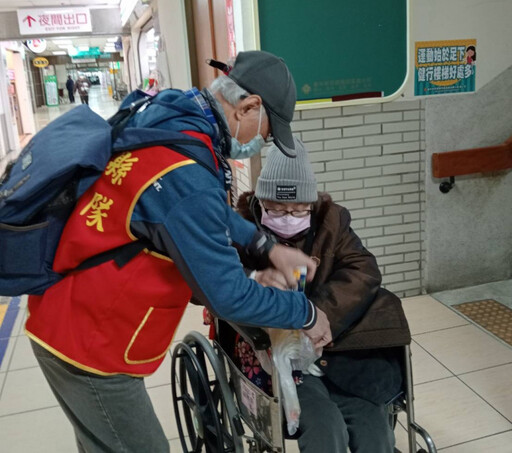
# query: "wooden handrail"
{"type": "Point", "coordinates": [468, 161]}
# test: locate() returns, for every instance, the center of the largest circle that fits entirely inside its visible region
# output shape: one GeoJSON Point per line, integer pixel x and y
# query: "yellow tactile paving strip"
{"type": "Point", "coordinates": [491, 315]}
{"type": "Point", "coordinates": [4, 304]}
{"type": "Point", "coordinates": [3, 309]}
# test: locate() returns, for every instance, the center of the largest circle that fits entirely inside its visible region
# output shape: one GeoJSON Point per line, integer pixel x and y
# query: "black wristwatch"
{"type": "Point", "coordinates": [260, 247]}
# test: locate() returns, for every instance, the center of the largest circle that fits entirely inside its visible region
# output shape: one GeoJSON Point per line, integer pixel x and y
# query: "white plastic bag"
{"type": "Point", "coordinates": [265, 360]}
{"type": "Point", "coordinates": [291, 350]}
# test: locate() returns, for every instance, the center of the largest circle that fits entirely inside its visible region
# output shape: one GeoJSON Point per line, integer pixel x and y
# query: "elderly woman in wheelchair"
{"type": "Point", "coordinates": [346, 403]}
{"type": "Point", "coordinates": [345, 399]}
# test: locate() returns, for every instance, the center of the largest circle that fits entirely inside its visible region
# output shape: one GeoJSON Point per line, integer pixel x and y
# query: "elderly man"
{"type": "Point", "coordinates": [98, 331]}
{"type": "Point", "coordinates": [70, 86]}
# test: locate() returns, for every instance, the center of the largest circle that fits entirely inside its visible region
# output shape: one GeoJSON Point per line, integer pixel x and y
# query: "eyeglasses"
{"type": "Point", "coordinates": [283, 212]}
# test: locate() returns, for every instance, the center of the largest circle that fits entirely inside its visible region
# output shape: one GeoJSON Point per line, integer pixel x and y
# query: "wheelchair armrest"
{"type": "Point", "coordinates": [255, 336]}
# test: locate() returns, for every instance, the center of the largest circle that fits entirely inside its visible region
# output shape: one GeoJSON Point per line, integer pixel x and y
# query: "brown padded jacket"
{"type": "Point", "coordinates": [347, 282]}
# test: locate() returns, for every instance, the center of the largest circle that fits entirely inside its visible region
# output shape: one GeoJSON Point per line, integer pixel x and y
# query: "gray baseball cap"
{"type": "Point", "coordinates": [266, 75]}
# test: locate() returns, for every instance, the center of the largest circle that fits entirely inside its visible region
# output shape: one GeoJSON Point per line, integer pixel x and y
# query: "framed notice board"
{"type": "Point", "coordinates": [338, 50]}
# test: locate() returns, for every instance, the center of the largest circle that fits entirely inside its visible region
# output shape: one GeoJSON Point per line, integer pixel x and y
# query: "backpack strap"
{"type": "Point", "coordinates": [121, 255]}
{"type": "Point", "coordinates": [119, 121]}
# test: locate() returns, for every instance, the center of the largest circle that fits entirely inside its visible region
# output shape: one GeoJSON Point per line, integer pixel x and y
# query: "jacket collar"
{"type": "Point", "coordinates": [224, 135]}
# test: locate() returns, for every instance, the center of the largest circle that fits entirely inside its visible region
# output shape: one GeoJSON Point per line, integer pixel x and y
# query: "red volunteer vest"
{"type": "Point", "coordinates": [108, 320]}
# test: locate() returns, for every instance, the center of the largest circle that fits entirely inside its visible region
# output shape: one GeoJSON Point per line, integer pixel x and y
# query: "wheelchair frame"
{"type": "Point", "coordinates": [213, 401]}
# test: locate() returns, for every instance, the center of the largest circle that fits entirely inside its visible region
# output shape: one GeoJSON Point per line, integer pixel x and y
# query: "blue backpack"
{"type": "Point", "coordinates": [39, 190]}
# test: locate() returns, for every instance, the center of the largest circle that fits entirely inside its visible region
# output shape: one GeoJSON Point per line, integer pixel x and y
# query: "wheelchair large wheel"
{"type": "Point", "coordinates": [204, 409]}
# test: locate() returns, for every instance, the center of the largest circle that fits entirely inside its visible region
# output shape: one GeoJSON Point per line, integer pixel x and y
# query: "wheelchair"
{"type": "Point", "coordinates": [218, 409]}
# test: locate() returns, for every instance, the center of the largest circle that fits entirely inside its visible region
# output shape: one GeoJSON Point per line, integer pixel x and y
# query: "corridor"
{"type": "Point", "coordinates": [99, 101]}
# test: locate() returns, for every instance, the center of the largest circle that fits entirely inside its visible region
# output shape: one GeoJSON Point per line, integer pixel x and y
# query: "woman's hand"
{"type": "Point", "coordinates": [286, 259]}
{"type": "Point", "coordinates": [271, 277]}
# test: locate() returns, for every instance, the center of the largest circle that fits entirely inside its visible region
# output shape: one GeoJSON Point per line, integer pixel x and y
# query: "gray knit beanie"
{"type": "Point", "coordinates": [284, 179]}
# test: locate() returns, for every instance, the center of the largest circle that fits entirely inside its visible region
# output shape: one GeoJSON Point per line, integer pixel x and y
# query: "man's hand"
{"type": "Point", "coordinates": [320, 333]}
{"type": "Point", "coordinates": [286, 259]}
{"type": "Point", "coordinates": [271, 277]}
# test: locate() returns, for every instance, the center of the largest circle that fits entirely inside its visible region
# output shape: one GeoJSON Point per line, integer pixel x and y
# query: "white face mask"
{"type": "Point", "coordinates": [249, 149]}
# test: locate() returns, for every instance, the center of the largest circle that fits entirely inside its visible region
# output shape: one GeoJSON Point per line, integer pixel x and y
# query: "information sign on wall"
{"type": "Point", "coordinates": [445, 67]}
{"type": "Point", "coordinates": [40, 62]}
{"type": "Point", "coordinates": [50, 88]}
{"type": "Point", "coordinates": [54, 20]}
{"type": "Point", "coordinates": [83, 60]}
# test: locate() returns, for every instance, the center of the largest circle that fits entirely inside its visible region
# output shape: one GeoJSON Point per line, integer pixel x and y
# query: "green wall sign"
{"type": "Point", "coordinates": [50, 89]}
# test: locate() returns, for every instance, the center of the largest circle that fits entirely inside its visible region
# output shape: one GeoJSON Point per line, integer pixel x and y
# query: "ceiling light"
{"type": "Point", "coordinates": [72, 51]}
{"type": "Point", "coordinates": [59, 52]}
{"type": "Point", "coordinates": [63, 42]}
{"type": "Point", "coordinates": [83, 48]}
{"type": "Point", "coordinates": [112, 39]}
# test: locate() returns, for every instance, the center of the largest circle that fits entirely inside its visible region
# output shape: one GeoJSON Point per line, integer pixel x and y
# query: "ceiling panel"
{"type": "Point", "coordinates": [10, 5]}
{"type": "Point", "coordinates": [52, 44]}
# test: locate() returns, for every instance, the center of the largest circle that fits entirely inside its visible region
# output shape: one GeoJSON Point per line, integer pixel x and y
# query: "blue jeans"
{"type": "Point", "coordinates": [331, 421]}
{"type": "Point", "coordinates": [109, 413]}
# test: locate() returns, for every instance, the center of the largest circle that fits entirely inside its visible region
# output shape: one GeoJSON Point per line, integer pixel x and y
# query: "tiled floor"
{"type": "Point", "coordinates": [462, 387]}
{"type": "Point", "coordinates": [99, 101]}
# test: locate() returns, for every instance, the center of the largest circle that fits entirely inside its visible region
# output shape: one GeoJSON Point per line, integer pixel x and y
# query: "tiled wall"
{"type": "Point", "coordinates": [370, 159]}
